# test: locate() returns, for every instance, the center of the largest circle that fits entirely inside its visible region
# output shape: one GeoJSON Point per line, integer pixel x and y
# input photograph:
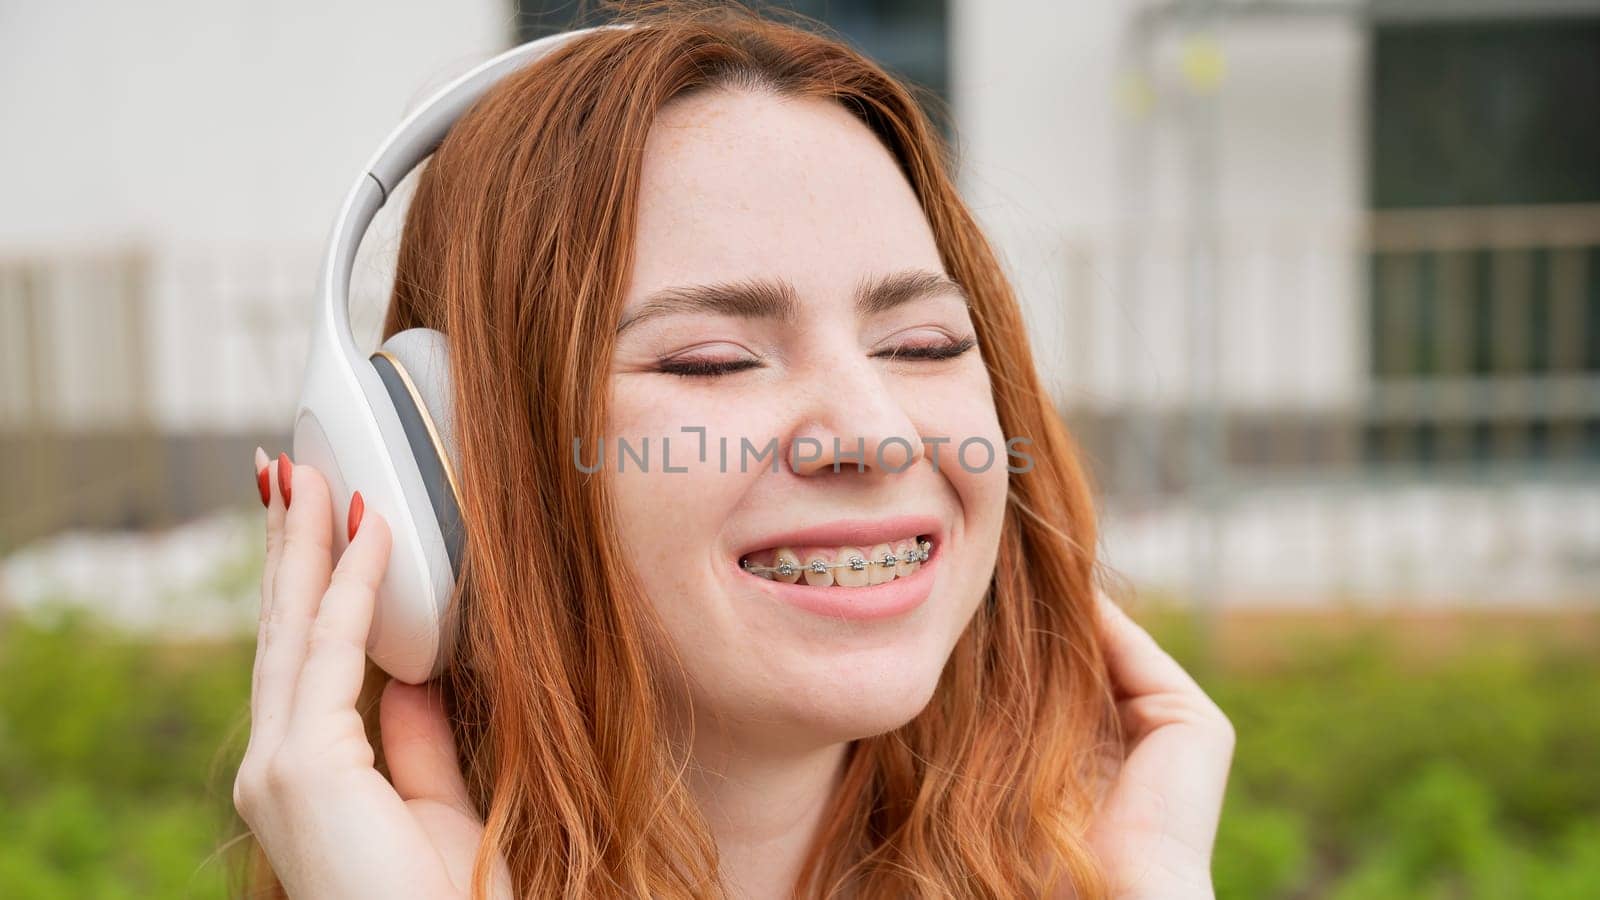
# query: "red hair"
{"type": "Point", "coordinates": [518, 245]}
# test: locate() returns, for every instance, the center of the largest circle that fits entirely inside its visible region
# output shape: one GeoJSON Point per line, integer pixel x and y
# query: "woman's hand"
{"type": "Point", "coordinates": [330, 823]}
{"type": "Point", "coordinates": [1155, 829]}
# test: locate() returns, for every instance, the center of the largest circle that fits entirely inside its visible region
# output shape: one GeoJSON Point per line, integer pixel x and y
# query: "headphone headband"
{"type": "Point", "coordinates": [384, 424]}
{"type": "Point", "coordinates": [411, 142]}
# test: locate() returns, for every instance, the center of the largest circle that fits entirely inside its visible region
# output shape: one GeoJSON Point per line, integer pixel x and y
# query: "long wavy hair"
{"type": "Point", "coordinates": [518, 244]}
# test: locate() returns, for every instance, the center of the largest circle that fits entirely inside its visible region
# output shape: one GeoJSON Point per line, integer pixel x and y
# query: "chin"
{"type": "Point", "coordinates": [848, 682]}
{"type": "Point", "coordinates": [862, 696]}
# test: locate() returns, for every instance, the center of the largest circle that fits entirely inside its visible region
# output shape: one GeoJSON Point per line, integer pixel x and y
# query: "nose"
{"type": "Point", "coordinates": [855, 420]}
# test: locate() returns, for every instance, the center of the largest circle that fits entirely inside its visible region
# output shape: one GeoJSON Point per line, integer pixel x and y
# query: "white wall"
{"type": "Point", "coordinates": [221, 138]}
{"type": "Point", "coordinates": [210, 122]}
{"type": "Point", "coordinates": [1040, 96]}
{"type": "Point", "coordinates": [1032, 89]}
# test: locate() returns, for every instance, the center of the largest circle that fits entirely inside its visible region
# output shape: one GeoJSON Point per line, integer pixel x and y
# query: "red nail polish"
{"type": "Point", "coordinates": [264, 484]}
{"type": "Point", "coordinates": [357, 507]}
{"type": "Point", "coordinates": [284, 469]}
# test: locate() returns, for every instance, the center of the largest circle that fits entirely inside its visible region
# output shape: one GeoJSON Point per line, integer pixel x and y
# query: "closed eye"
{"type": "Point", "coordinates": [705, 368]}
{"type": "Point", "coordinates": [930, 351]}
{"type": "Point", "coordinates": [712, 368]}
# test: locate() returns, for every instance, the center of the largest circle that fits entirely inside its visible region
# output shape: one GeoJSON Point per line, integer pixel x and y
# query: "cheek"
{"type": "Point", "coordinates": [977, 473]}
{"type": "Point", "coordinates": [671, 522]}
{"type": "Point", "coordinates": [973, 455]}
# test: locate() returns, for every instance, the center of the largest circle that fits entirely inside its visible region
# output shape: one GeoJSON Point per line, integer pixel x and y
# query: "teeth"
{"type": "Point", "coordinates": [786, 555]}
{"type": "Point", "coordinates": [854, 573]}
{"type": "Point", "coordinates": [878, 574]}
{"type": "Point", "coordinates": [819, 576]}
{"type": "Point", "coordinates": [904, 564]}
{"type": "Point", "coordinates": [846, 567]}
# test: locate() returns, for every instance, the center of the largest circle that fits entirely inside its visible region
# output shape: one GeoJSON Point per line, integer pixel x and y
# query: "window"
{"type": "Point", "coordinates": [1485, 273]}
{"type": "Point", "coordinates": [910, 38]}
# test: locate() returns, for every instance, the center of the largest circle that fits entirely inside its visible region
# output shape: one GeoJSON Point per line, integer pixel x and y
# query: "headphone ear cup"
{"type": "Point", "coordinates": [414, 366]}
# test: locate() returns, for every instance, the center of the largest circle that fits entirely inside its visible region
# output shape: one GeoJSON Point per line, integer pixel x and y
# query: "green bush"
{"type": "Point", "coordinates": [1261, 852]}
{"type": "Point", "coordinates": [1359, 772]}
{"type": "Point", "coordinates": [1362, 773]}
{"type": "Point", "coordinates": [114, 761]}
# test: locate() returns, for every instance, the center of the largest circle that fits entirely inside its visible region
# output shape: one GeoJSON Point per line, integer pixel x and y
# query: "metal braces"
{"type": "Point", "coordinates": [917, 554]}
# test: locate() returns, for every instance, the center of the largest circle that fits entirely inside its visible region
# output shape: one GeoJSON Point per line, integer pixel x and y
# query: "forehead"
{"type": "Point", "coordinates": [739, 184]}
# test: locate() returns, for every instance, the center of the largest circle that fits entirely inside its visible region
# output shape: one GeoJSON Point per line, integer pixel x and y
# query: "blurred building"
{"type": "Point", "coordinates": [169, 175]}
{"type": "Point", "coordinates": [1317, 283]}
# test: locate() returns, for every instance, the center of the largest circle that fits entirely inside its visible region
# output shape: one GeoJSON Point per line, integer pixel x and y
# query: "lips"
{"type": "Point", "coordinates": [872, 599]}
{"type": "Point", "coordinates": [863, 533]}
{"type": "Point", "coordinates": [860, 569]}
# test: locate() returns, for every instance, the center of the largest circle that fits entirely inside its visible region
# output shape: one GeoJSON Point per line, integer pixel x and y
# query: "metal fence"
{"type": "Point", "coordinates": [133, 384]}
{"type": "Point", "coordinates": [1401, 409]}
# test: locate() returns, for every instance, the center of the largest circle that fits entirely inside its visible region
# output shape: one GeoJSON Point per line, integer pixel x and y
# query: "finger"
{"type": "Point", "coordinates": [274, 544]}
{"type": "Point", "coordinates": [275, 522]}
{"type": "Point", "coordinates": [336, 653]}
{"type": "Point", "coordinates": [1179, 758]}
{"type": "Point", "coordinates": [1142, 715]}
{"type": "Point", "coordinates": [419, 746]}
{"type": "Point", "coordinates": [300, 579]}
{"type": "Point", "coordinates": [1138, 664]}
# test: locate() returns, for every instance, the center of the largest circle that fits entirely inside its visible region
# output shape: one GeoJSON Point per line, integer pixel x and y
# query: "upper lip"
{"type": "Point", "coordinates": [850, 533]}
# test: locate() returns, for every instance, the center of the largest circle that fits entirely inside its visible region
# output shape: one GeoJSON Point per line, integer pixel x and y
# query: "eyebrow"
{"type": "Point", "coordinates": [776, 298]}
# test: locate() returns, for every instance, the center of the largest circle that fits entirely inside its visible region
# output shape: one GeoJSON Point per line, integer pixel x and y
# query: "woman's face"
{"type": "Point", "coordinates": [787, 293]}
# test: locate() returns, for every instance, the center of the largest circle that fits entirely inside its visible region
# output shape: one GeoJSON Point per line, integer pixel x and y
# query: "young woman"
{"type": "Point", "coordinates": [713, 227]}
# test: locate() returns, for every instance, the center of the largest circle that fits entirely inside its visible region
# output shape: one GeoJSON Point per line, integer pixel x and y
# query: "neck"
{"type": "Point", "coordinates": [764, 809]}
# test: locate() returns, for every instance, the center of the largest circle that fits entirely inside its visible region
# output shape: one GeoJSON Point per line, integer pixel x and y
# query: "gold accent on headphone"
{"type": "Point", "coordinates": [427, 420]}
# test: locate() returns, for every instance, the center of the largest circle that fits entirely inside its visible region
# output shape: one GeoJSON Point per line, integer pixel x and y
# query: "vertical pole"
{"type": "Point", "coordinates": [1201, 64]}
{"type": "Point", "coordinates": [1135, 469]}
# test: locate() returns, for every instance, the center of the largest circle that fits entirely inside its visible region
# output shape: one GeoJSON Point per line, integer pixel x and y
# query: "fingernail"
{"type": "Point", "coordinates": [263, 482]}
{"type": "Point", "coordinates": [357, 507]}
{"type": "Point", "coordinates": [285, 469]}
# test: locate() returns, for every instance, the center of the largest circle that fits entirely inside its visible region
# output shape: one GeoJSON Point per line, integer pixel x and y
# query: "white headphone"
{"type": "Point", "coordinates": [384, 425]}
